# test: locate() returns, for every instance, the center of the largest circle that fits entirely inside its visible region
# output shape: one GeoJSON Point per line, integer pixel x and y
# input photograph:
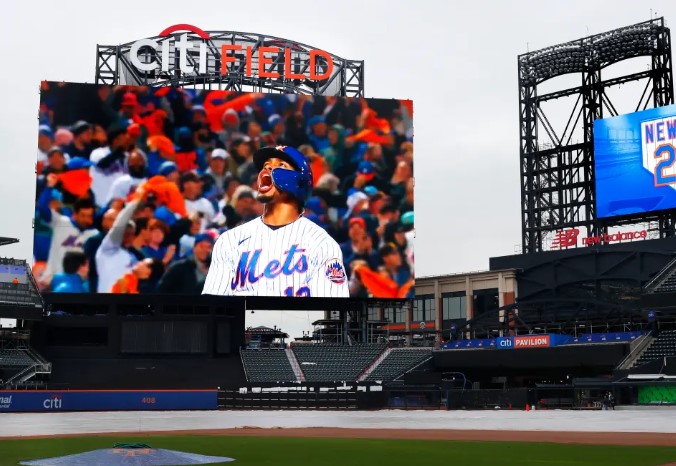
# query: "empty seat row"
{"type": "Point", "coordinates": [398, 362]}
{"type": "Point", "coordinates": [333, 363]}
{"type": "Point", "coordinates": [15, 357]}
{"type": "Point", "coordinates": [662, 346]}
{"type": "Point", "coordinates": [267, 365]}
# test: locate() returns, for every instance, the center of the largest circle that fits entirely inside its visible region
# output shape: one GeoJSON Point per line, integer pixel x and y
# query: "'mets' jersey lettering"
{"type": "Point", "coordinates": [299, 259]}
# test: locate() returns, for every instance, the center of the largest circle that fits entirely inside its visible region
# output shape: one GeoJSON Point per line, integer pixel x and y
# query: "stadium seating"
{"type": "Point", "coordinates": [267, 365]}
{"type": "Point", "coordinates": [664, 281]}
{"type": "Point", "coordinates": [663, 345]}
{"type": "Point", "coordinates": [335, 363]}
{"type": "Point", "coordinates": [15, 357]}
{"type": "Point", "coordinates": [398, 362]}
{"type": "Point", "coordinates": [21, 290]}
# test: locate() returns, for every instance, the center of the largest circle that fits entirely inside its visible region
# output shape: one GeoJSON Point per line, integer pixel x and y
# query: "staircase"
{"type": "Point", "coordinates": [663, 345]}
{"type": "Point", "coordinates": [664, 281]}
{"type": "Point", "coordinates": [300, 377]}
{"type": "Point", "coordinates": [425, 361]}
{"type": "Point", "coordinates": [38, 365]}
{"type": "Point", "coordinates": [638, 347]}
{"type": "Point", "coordinates": [364, 375]}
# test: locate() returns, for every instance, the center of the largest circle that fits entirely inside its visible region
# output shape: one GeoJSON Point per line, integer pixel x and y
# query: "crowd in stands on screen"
{"type": "Point", "coordinates": [140, 183]}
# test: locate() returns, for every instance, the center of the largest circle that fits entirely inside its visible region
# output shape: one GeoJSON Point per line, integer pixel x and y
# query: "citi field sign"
{"type": "Point", "coordinates": [190, 50]}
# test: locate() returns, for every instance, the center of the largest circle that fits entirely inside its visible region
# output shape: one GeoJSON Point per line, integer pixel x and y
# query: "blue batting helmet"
{"type": "Point", "coordinates": [296, 182]}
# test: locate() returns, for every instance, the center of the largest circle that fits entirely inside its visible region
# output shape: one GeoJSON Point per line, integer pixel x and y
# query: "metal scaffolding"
{"type": "Point", "coordinates": [557, 173]}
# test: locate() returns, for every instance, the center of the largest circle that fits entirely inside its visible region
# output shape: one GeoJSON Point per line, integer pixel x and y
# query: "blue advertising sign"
{"type": "Point", "coordinates": [545, 340]}
{"type": "Point", "coordinates": [504, 343]}
{"type": "Point", "coordinates": [635, 157]}
{"type": "Point", "coordinates": [104, 400]}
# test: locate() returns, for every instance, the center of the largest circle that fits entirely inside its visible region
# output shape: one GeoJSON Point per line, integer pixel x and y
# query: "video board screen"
{"type": "Point", "coordinates": [184, 191]}
{"type": "Point", "coordinates": [634, 161]}
{"type": "Point", "coordinates": [13, 274]}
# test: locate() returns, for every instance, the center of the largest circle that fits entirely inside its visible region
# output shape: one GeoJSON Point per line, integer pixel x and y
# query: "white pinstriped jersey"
{"type": "Point", "coordinates": [298, 259]}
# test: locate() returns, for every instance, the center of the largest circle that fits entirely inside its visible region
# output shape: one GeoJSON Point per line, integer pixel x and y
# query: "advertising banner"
{"type": "Point", "coordinates": [544, 341]}
{"type": "Point", "coordinates": [634, 156]}
{"type": "Point", "coordinates": [657, 395]}
{"type": "Point", "coordinates": [76, 400]}
{"type": "Point", "coordinates": [184, 191]}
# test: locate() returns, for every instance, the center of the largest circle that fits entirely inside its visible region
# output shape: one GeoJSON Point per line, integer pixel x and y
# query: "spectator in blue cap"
{"type": "Point", "coordinates": [166, 215]}
{"type": "Point", "coordinates": [365, 176]}
{"type": "Point", "coordinates": [169, 170]}
{"type": "Point", "coordinates": [317, 133]}
{"type": "Point", "coordinates": [77, 163]}
{"type": "Point", "coordinates": [370, 191]}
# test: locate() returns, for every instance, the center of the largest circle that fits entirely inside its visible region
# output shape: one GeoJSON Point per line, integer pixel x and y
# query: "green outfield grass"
{"type": "Point", "coordinates": [346, 452]}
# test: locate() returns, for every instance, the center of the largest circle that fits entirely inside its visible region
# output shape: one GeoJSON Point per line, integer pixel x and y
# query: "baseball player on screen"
{"type": "Point", "coordinates": [280, 253]}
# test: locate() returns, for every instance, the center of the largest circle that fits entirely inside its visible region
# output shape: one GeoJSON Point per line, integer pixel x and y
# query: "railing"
{"type": "Point", "coordinates": [413, 368]}
{"type": "Point", "coordinates": [36, 289]}
{"type": "Point", "coordinates": [662, 274]}
{"type": "Point", "coordinates": [638, 347]}
{"type": "Point", "coordinates": [298, 372]}
{"type": "Point", "coordinates": [23, 375]}
{"type": "Point", "coordinates": [297, 399]}
{"type": "Point", "coordinates": [36, 356]}
{"type": "Point", "coordinates": [241, 358]}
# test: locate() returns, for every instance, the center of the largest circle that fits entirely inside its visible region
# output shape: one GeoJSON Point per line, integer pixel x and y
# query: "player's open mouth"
{"type": "Point", "coordinates": [264, 182]}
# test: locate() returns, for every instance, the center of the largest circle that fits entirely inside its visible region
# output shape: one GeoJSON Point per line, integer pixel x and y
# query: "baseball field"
{"type": "Point", "coordinates": [383, 437]}
{"type": "Point", "coordinates": [294, 451]}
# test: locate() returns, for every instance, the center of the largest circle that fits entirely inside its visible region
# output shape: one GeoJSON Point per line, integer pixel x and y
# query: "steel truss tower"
{"type": "Point", "coordinates": [557, 173]}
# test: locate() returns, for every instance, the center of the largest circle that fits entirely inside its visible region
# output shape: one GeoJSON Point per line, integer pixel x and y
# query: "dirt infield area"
{"type": "Point", "coordinates": [585, 438]}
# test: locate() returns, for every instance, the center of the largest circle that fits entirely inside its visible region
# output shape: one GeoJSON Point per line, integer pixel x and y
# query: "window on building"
{"type": "Point", "coordinates": [373, 313]}
{"type": "Point", "coordinates": [430, 309]}
{"type": "Point", "coordinates": [485, 301]}
{"type": "Point", "coordinates": [424, 309]}
{"type": "Point", "coordinates": [454, 306]}
{"type": "Point", "coordinates": [400, 314]}
{"type": "Point", "coordinates": [389, 314]}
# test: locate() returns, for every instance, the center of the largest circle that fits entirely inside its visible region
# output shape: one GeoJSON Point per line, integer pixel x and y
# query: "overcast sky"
{"type": "Point", "coordinates": [455, 60]}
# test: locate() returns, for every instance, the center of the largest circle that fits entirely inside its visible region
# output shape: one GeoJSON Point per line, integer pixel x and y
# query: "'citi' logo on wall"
{"type": "Point", "coordinates": [273, 62]}
{"type": "Point", "coordinates": [53, 402]}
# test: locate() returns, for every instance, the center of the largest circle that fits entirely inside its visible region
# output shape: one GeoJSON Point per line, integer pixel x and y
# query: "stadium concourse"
{"type": "Point", "coordinates": [622, 427]}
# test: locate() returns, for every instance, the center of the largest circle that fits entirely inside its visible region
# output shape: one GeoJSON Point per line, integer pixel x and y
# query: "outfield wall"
{"type": "Point", "coordinates": [106, 400]}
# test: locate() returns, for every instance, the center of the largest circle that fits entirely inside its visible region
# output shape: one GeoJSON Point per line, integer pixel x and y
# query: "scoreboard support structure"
{"type": "Point", "coordinates": [557, 172]}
